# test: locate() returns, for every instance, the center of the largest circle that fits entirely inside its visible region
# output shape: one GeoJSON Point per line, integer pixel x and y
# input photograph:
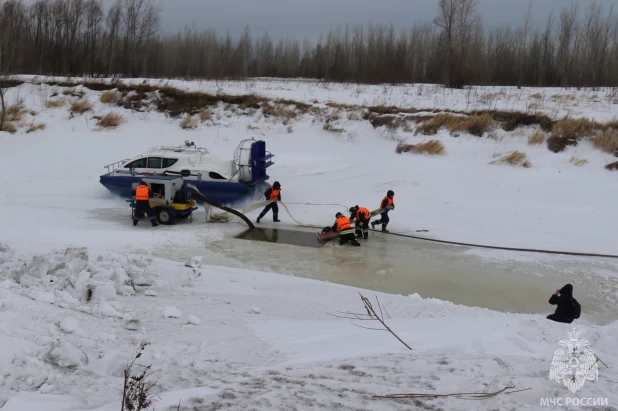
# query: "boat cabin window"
{"type": "Point", "coordinates": [155, 162]}
{"type": "Point", "coordinates": [168, 162]}
{"type": "Point", "coordinates": [141, 163]}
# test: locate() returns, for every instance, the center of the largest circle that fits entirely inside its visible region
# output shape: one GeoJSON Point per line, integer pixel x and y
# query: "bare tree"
{"type": "Point", "coordinates": [457, 19]}
{"type": "Point", "coordinates": [524, 33]}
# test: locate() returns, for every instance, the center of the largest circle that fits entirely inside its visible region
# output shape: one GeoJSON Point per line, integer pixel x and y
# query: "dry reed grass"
{"type": "Point", "coordinates": [476, 125]}
{"type": "Point", "coordinates": [109, 97]}
{"type": "Point", "coordinates": [579, 161]}
{"type": "Point", "coordinates": [514, 158]}
{"type": "Point", "coordinates": [332, 129]}
{"type": "Point", "coordinates": [81, 106]}
{"type": "Point", "coordinates": [279, 111]}
{"type": "Point", "coordinates": [606, 141]}
{"type": "Point", "coordinates": [54, 103]}
{"type": "Point", "coordinates": [431, 147]}
{"type": "Point", "coordinates": [9, 127]}
{"type": "Point", "coordinates": [612, 166]}
{"type": "Point", "coordinates": [111, 120]}
{"type": "Point", "coordinates": [206, 114]}
{"type": "Point", "coordinates": [35, 127]}
{"type": "Point", "coordinates": [574, 128]}
{"type": "Point", "coordinates": [15, 113]}
{"type": "Point", "coordinates": [537, 138]}
{"type": "Point", "coordinates": [189, 122]}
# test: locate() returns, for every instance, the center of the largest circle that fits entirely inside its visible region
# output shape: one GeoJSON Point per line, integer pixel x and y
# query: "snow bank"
{"type": "Point", "coordinates": [69, 324]}
{"type": "Point", "coordinates": [66, 355]}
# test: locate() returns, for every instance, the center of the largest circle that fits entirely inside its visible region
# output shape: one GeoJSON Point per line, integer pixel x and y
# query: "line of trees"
{"type": "Point", "coordinates": [576, 47]}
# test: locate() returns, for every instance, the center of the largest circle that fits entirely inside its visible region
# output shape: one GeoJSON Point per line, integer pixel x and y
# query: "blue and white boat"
{"type": "Point", "coordinates": [222, 181]}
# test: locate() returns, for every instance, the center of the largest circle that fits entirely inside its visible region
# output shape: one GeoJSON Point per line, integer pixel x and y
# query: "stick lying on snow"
{"type": "Point", "coordinates": [469, 395]}
{"type": "Point", "coordinates": [371, 316]}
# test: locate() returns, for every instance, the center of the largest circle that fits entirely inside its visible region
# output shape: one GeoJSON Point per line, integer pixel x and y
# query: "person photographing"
{"type": "Point", "coordinates": [568, 308]}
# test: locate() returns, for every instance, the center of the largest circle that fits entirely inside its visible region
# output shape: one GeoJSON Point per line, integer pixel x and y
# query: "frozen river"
{"type": "Point", "coordinates": [503, 281]}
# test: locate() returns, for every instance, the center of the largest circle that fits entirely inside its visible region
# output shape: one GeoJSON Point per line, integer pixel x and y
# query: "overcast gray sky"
{"type": "Point", "coordinates": [307, 18]}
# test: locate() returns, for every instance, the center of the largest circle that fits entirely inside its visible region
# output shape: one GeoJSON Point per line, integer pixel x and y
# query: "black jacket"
{"type": "Point", "coordinates": [269, 191]}
{"type": "Point", "coordinates": [564, 301]}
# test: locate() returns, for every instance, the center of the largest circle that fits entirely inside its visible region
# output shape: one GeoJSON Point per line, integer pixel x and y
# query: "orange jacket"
{"type": "Point", "coordinates": [343, 223]}
{"type": "Point", "coordinates": [388, 201]}
{"type": "Point", "coordinates": [362, 210]}
{"type": "Point", "coordinates": [142, 193]}
{"type": "Point", "coordinates": [274, 195]}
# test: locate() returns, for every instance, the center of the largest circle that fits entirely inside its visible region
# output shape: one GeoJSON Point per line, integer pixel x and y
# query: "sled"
{"type": "Point", "coordinates": [327, 235]}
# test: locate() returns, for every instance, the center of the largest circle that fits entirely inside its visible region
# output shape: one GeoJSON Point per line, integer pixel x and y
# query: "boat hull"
{"type": "Point", "coordinates": [221, 192]}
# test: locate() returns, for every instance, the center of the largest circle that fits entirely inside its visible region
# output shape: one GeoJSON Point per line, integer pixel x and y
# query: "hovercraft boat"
{"type": "Point", "coordinates": [222, 181]}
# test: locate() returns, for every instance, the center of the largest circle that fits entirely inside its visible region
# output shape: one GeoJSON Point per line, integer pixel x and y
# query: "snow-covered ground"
{"type": "Point", "coordinates": [260, 340]}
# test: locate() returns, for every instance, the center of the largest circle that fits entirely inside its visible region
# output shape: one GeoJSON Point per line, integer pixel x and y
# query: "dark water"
{"type": "Point", "coordinates": [274, 235]}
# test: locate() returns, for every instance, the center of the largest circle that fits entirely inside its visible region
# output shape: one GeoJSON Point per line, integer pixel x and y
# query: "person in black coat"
{"type": "Point", "coordinates": [568, 307]}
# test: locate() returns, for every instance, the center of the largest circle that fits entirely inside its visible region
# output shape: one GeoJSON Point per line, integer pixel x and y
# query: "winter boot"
{"type": "Point", "coordinates": [384, 230]}
{"type": "Point", "coordinates": [134, 223]}
{"type": "Point", "coordinates": [373, 224]}
{"type": "Point", "coordinates": [355, 243]}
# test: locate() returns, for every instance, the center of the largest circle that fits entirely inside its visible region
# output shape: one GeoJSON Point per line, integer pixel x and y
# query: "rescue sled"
{"type": "Point", "coordinates": [327, 234]}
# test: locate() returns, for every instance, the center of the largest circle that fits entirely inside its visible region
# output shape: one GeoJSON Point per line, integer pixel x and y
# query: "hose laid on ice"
{"type": "Point", "coordinates": [292, 217]}
{"type": "Point", "coordinates": [527, 250]}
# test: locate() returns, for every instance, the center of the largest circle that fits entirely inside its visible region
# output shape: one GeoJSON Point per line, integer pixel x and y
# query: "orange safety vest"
{"type": "Point", "coordinates": [390, 201]}
{"type": "Point", "coordinates": [343, 223]}
{"type": "Point", "coordinates": [361, 210]}
{"type": "Point", "coordinates": [274, 195]}
{"type": "Point", "coordinates": [141, 193]}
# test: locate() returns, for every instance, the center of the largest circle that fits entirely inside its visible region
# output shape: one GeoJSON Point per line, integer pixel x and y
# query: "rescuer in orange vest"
{"type": "Point", "coordinates": [346, 232]}
{"type": "Point", "coordinates": [142, 204]}
{"type": "Point", "coordinates": [361, 215]}
{"type": "Point", "coordinates": [273, 193]}
{"type": "Point", "coordinates": [387, 204]}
